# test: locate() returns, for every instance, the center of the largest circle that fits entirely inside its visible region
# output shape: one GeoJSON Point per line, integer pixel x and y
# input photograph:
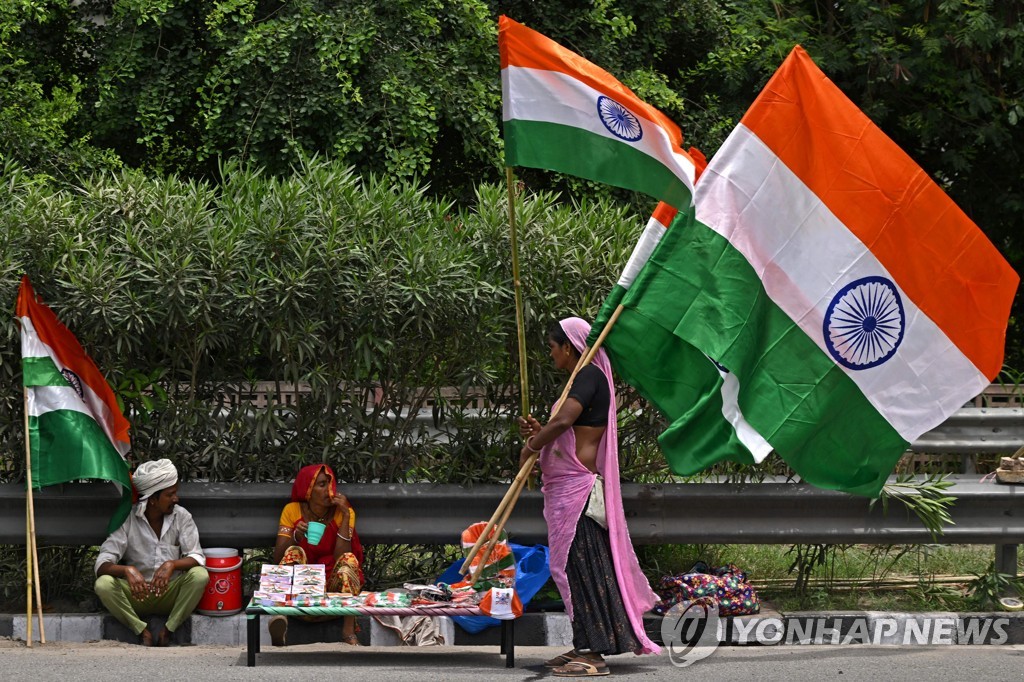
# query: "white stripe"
{"type": "Point", "coordinates": [804, 254]}
{"type": "Point", "coordinates": [554, 97]}
{"type": "Point", "coordinates": [90, 403]}
{"type": "Point", "coordinates": [43, 399]}
{"type": "Point", "coordinates": [758, 446]}
{"type": "Point", "coordinates": [641, 252]}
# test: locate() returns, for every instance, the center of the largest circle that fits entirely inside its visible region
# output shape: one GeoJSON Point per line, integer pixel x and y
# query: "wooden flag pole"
{"type": "Point", "coordinates": [35, 565]}
{"type": "Point", "coordinates": [28, 578]}
{"type": "Point", "coordinates": [524, 387]}
{"type": "Point", "coordinates": [31, 557]}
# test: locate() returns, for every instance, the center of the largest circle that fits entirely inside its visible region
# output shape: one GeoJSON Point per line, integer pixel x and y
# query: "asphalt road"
{"type": "Point", "coordinates": [111, 660]}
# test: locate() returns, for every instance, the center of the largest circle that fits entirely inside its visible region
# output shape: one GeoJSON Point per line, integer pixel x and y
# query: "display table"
{"type": "Point", "coordinates": [253, 614]}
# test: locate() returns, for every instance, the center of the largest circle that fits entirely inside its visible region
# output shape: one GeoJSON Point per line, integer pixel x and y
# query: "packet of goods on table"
{"type": "Point", "coordinates": [312, 588]}
{"type": "Point", "coordinates": [262, 598]}
{"type": "Point", "coordinates": [276, 570]}
{"type": "Point", "coordinates": [307, 600]}
{"type": "Point", "coordinates": [388, 599]}
{"type": "Point", "coordinates": [309, 571]}
{"type": "Point", "coordinates": [343, 599]}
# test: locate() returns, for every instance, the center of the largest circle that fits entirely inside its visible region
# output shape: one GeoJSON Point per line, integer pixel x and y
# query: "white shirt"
{"type": "Point", "coordinates": [135, 543]}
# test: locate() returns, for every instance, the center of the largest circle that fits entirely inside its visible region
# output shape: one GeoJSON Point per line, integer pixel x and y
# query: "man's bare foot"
{"type": "Point", "coordinates": [146, 637]}
{"type": "Point", "coordinates": [165, 638]}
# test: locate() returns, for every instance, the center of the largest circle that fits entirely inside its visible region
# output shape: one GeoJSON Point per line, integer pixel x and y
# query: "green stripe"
{"type": "Point", "coordinates": [700, 290]}
{"type": "Point", "coordinates": [689, 396]}
{"type": "Point", "coordinates": [40, 371]}
{"type": "Point", "coordinates": [578, 152]}
{"type": "Point", "coordinates": [69, 446]}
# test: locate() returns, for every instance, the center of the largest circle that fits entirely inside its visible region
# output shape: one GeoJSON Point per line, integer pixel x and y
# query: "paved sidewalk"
{"type": "Point", "coordinates": [554, 629]}
{"type": "Point", "coordinates": [64, 661]}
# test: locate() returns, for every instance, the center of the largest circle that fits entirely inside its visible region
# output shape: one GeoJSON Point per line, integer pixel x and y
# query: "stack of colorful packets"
{"type": "Point", "coordinates": [309, 586]}
{"type": "Point", "coordinates": [275, 585]}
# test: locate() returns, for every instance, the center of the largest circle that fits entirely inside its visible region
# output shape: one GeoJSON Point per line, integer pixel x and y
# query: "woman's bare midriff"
{"type": "Point", "coordinates": [587, 440]}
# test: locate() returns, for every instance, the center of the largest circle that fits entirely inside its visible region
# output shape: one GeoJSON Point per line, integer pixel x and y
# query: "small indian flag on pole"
{"type": "Point", "coordinates": [75, 428]}
{"type": "Point", "coordinates": [855, 303]}
{"type": "Point", "coordinates": [563, 113]}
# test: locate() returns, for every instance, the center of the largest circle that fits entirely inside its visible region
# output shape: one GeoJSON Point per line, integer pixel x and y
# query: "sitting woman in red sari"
{"type": "Point", "coordinates": [315, 497]}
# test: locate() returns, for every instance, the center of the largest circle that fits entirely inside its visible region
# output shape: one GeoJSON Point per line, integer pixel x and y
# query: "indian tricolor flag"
{"type": "Point", "coordinates": [697, 395]}
{"type": "Point", "coordinates": [855, 303]}
{"type": "Point", "coordinates": [565, 114]}
{"type": "Point", "coordinates": [75, 428]}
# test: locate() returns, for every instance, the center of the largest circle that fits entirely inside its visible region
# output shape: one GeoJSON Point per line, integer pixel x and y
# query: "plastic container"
{"type": "Point", "coordinates": [223, 595]}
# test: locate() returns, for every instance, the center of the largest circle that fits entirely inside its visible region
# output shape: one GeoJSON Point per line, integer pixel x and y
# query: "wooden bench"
{"type": "Point", "coordinates": [254, 612]}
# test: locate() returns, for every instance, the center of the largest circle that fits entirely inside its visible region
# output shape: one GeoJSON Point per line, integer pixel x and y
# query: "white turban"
{"type": "Point", "coordinates": [152, 477]}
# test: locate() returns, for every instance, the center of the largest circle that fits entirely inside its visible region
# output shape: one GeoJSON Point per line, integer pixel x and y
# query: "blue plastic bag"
{"type": "Point", "coordinates": [532, 571]}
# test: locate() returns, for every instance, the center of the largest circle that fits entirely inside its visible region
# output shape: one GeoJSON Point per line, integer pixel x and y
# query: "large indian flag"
{"type": "Point", "coordinates": [75, 428]}
{"type": "Point", "coordinates": [565, 114]}
{"type": "Point", "coordinates": [854, 302]}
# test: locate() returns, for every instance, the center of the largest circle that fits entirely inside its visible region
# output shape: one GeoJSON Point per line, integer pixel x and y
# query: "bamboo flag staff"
{"type": "Point", "coordinates": [31, 554]}
{"type": "Point", "coordinates": [524, 388]}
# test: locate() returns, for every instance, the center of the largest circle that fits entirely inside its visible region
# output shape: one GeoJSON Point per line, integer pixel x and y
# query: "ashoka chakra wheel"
{"type": "Point", "coordinates": [864, 323]}
{"type": "Point", "coordinates": [619, 120]}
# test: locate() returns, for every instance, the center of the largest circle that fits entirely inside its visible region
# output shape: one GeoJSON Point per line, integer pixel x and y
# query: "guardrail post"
{"type": "Point", "coordinates": [1006, 559]}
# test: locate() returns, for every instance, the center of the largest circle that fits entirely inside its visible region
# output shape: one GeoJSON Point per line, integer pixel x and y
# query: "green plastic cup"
{"type": "Point", "coordinates": [314, 532]}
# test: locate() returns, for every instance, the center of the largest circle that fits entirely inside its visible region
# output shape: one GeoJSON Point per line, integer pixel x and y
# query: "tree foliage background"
{"type": "Point", "coordinates": [410, 89]}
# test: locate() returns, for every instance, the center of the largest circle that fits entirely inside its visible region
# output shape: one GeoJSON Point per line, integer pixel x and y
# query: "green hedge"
{"type": "Point", "coordinates": [187, 294]}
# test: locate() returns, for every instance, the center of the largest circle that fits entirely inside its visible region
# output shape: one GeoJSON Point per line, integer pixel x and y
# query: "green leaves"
{"type": "Point", "coordinates": [927, 499]}
{"type": "Point", "coordinates": [268, 322]}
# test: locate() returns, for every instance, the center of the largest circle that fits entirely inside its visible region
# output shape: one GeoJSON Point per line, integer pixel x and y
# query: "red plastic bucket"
{"type": "Point", "coordinates": [223, 595]}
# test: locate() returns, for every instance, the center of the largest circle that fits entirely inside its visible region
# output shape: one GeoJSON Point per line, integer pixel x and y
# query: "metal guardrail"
{"type": "Point", "coordinates": [246, 515]}
{"type": "Point", "coordinates": [981, 430]}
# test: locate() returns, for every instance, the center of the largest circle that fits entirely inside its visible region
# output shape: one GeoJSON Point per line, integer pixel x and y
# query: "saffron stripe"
{"type": "Point", "coordinates": [523, 47]}
{"type": "Point", "coordinates": [936, 254]}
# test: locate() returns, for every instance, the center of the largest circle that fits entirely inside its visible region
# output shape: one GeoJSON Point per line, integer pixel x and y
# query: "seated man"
{"type": "Point", "coordinates": [153, 564]}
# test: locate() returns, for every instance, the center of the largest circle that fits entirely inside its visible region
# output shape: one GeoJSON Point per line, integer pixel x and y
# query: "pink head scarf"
{"type": "Point", "coordinates": [567, 485]}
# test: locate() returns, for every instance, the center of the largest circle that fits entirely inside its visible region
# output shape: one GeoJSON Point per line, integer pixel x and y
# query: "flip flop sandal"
{"type": "Point", "coordinates": [561, 659]}
{"type": "Point", "coordinates": [580, 668]}
{"type": "Point", "coordinates": [351, 640]}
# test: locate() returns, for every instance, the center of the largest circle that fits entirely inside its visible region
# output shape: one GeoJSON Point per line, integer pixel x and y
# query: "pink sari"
{"type": "Point", "coordinates": [566, 488]}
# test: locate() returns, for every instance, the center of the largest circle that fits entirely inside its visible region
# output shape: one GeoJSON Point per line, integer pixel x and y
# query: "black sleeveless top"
{"type": "Point", "coordinates": [590, 389]}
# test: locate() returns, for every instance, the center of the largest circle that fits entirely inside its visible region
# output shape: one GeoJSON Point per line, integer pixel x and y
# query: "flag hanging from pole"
{"type": "Point", "coordinates": [76, 430]}
{"type": "Point", "coordinates": [855, 303]}
{"type": "Point", "coordinates": [565, 114]}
